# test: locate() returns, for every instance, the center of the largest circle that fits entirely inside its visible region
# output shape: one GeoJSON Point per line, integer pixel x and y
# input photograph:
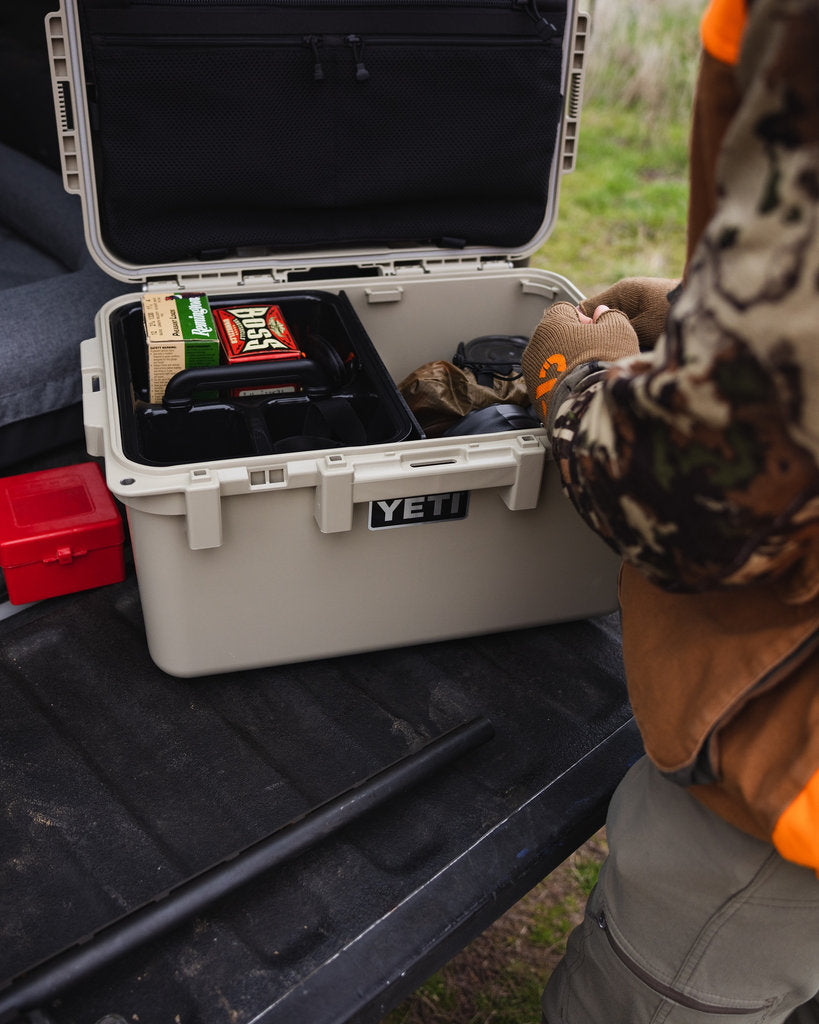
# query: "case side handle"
{"type": "Point", "coordinates": [513, 466]}
{"type": "Point", "coordinates": [574, 93]}
{"type": "Point", "coordinates": [63, 101]}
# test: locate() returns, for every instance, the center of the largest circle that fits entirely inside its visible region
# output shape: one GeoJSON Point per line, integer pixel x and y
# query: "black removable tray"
{"type": "Point", "coordinates": [360, 405]}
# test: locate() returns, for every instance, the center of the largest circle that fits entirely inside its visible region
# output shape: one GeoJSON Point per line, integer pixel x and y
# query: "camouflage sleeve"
{"type": "Point", "coordinates": [698, 462]}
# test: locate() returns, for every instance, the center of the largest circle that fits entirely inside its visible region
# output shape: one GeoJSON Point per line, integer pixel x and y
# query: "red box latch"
{"type": "Point", "coordinates": [64, 556]}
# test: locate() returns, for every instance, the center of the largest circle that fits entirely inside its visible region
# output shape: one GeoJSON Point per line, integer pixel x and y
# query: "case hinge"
{"type": "Point", "coordinates": [263, 278]}
{"type": "Point", "coordinates": [58, 52]}
{"type": "Point", "coordinates": [468, 265]}
{"type": "Point", "coordinates": [574, 93]}
{"type": "Point", "coordinates": [196, 281]}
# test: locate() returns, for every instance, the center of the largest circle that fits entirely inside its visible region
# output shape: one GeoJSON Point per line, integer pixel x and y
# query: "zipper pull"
{"type": "Point", "coordinates": [356, 44]}
{"type": "Point", "coordinates": [314, 42]}
{"type": "Point", "coordinates": [545, 29]}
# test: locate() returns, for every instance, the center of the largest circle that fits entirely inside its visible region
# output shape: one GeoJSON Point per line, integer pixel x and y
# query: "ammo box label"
{"type": "Point", "coordinates": [425, 508]}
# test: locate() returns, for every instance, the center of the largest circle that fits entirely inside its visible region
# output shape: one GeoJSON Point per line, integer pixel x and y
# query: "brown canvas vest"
{"type": "Point", "coordinates": [723, 686]}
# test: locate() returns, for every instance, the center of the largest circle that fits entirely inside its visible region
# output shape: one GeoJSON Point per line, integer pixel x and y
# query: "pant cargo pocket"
{"type": "Point", "coordinates": [599, 980]}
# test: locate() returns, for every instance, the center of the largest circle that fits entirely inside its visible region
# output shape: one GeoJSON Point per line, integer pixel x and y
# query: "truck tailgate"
{"type": "Point", "coordinates": [119, 782]}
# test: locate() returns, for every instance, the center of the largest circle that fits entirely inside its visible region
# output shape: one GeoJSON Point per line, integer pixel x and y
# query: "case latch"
{"type": "Point", "coordinates": [203, 508]}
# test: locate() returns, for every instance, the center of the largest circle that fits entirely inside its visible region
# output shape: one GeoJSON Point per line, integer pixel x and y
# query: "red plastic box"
{"type": "Point", "coordinates": [60, 531]}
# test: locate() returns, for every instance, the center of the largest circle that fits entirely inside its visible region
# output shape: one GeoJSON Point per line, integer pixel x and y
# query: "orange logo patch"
{"type": "Point", "coordinates": [549, 372]}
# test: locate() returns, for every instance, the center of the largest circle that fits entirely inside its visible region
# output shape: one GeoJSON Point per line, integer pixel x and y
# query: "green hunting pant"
{"type": "Point", "coordinates": [691, 922]}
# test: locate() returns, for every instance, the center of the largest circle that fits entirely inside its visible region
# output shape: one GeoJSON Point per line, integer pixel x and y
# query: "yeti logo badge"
{"type": "Point", "coordinates": [425, 508]}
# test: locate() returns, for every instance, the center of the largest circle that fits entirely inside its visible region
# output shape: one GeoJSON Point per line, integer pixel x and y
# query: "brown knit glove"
{"type": "Point", "coordinates": [644, 300]}
{"type": "Point", "coordinates": [561, 342]}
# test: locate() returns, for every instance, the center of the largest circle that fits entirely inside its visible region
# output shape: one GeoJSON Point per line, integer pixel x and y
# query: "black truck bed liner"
{"type": "Point", "coordinates": [119, 782]}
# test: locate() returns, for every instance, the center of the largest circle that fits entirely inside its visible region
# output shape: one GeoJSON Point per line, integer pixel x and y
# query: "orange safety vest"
{"type": "Point", "coordinates": [721, 29]}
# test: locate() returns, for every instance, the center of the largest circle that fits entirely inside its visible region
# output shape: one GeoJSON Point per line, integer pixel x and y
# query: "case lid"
{"type": "Point", "coordinates": [67, 509]}
{"type": "Point", "coordinates": [214, 140]}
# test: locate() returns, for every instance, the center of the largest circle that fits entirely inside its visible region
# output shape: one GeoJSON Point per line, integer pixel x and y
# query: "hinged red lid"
{"type": "Point", "coordinates": [56, 515]}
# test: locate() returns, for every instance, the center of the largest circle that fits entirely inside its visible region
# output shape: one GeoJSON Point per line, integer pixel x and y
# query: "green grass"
{"type": "Point", "coordinates": [551, 924]}
{"type": "Point", "coordinates": [643, 56]}
{"type": "Point", "coordinates": [622, 211]}
{"type": "Point", "coordinates": [585, 871]}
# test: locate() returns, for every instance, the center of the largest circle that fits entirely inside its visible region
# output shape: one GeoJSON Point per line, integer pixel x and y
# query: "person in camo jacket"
{"type": "Point", "coordinates": [695, 454]}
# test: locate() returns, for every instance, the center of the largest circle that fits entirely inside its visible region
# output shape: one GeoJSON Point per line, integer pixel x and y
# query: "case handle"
{"type": "Point", "coordinates": [317, 381]}
{"type": "Point", "coordinates": [513, 466]}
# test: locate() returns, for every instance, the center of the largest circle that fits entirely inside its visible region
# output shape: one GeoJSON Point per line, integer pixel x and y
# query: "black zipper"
{"type": "Point", "coordinates": [666, 991]}
{"type": "Point", "coordinates": [315, 43]}
{"type": "Point", "coordinates": [356, 44]}
{"type": "Point", "coordinates": [532, 5]}
{"type": "Point", "coordinates": [319, 45]}
{"type": "Point", "coordinates": [150, 20]}
{"type": "Point", "coordinates": [130, 17]}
